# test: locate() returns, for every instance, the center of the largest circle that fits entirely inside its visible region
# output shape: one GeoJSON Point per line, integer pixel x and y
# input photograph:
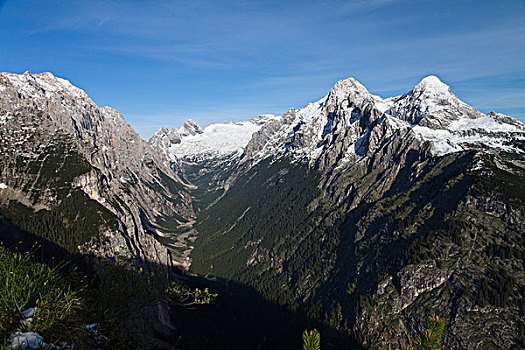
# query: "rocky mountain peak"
{"type": "Point", "coordinates": [347, 90]}
{"type": "Point", "coordinates": [432, 104]}
{"type": "Point", "coordinates": [164, 138]}
{"type": "Point", "coordinates": [41, 85]}
{"type": "Point", "coordinates": [190, 128]}
{"type": "Point", "coordinates": [349, 86]}
{"type": "Point", "coordinates": [350, 123]}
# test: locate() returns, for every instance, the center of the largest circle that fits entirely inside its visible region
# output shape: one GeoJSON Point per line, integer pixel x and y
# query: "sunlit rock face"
{"type": "Point", "coordinates": [56, 141]}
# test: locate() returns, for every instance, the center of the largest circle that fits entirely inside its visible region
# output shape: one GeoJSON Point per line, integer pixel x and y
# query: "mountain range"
{"type": "Point", "coordinates": [363, 215]}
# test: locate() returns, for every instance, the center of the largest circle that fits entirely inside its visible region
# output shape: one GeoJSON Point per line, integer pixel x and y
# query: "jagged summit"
{"type": "Point", "coordinates": [39, 85]}
{"type": "Point", "coordinates": [190, 128]}
{"type": "Point", "coordinates": [350, 124]}
{"type": "Point", "coordinates": [349, 86]}
{"type": "Point", "coordinates": [348, 119]}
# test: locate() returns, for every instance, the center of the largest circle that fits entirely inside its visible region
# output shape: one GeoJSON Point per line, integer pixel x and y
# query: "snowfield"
{"type": "Point", "coordinates": [216, 140]}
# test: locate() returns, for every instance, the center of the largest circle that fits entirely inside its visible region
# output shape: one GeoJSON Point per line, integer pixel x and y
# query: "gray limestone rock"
{"type": "Point", "coordinates": [41, 113]}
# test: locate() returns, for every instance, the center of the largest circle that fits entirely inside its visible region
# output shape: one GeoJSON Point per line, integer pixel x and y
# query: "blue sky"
{"type": "Point", "coordinates": [162, 62]}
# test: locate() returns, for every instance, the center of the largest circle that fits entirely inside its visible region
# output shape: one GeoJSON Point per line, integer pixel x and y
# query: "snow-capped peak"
{"type": "Point", "coordinates": [431, 104]}
{"type": "Point", "coordinates": [346, 88]}
{"type": "Point", "coordinates": [350, 123]}
{"type": "Point", "coordinates": [348, 85]}
{"type": "Point", "coordinates": [352, 90]}
{"type": "Point", "coordinates": [433, 84]}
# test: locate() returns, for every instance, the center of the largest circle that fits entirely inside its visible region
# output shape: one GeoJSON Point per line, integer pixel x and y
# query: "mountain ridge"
{"type": "Point", "coordinates": [430, 110]}
{"type": "Point", "coordinates": [50, 111]}
{"type": "Point", "coordinates": [371, 213]}
{"type": "Point", "coordinates": [366, 214]}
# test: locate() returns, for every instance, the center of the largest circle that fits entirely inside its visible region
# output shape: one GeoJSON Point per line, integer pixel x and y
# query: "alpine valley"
{"type": "Point", "coordinates": [357, 215]}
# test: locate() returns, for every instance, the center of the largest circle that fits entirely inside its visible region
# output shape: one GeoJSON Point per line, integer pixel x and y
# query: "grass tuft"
{"type": "Point", "coordinates": [26, 284]}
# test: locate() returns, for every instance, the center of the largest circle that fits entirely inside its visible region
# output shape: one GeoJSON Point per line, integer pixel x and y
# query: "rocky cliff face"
{"type": "Point", "coordinates": [372, 214]}
{"type": "Point", "coordinates": [56, 143]}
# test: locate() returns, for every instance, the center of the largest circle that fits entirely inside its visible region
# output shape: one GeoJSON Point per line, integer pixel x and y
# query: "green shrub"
{"type": "Point", "coordinates": [430, 339]}
{"type": "Point", "coordinates": [311, 340]}
{"type": "Point", "coordinates": [125, 294]}
{"type": "Point", "coordinates": [25, 283]}
{"type": "Point", "coordinates": [116, 300]}
{"type": "Point", "coordinates": [187, 296]}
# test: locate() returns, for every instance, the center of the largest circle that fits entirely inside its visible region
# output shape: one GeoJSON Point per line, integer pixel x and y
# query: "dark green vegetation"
{"type": "Point", "coordinates": [115, 295]}
{"type": "Point", "coordinates": [55, 293]}
{"type": "Point", "coordinates": [430, 339]}
{"type": "Point", "coordinates": [69, 218]}
{"type": "Point", "coordinates": [49, 173]}
{"type": "Point", "coordinates": [452, 234]}
{"type": "Point", "coordinates": [248, 215]}
{"type": "Point", "coordinates": [311, 340]}
{"type": "Point", "coordinates": [71, 223]}
{"type": "Point", "coordinates": [271, 232]}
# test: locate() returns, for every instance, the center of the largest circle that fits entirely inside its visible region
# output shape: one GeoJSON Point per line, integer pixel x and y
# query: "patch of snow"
{"type": "Point", "coordinates": [73, 90]}
{"type": "Point", "coordinates": [465, 133]}
{"type": "Point", "coordinates": [484, 123]}
{"type": "Point", "coordinates": [28, 340]}
{"type": "Point", "coordinates": [311, 111]}
{"type": "Point", "coordinates": [478, 165]}
{"type": "Point", "coordinates": [440, 139]}
{"type": "Point", "coordinates": [3, 186]}
{"type": "Point", "coordinates": [93, 329]}
{"type": "Point", "coordinates": [217, 138]}
{"type": "Point", "coordinates": [26, 314]}
{"type": "Point", "coordinates": [43, 85]}
{"type": "Point", "coordinates": [29, 312]}
{"type": "Point", "coordinates": [434, 84]}
{"type": "Point", "coordinates": [382, 105]}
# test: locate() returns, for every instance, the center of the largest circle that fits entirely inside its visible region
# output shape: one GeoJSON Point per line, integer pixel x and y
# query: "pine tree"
{"type": "Point", "coordinates": [431, 338]}
{"type": "Point", "coordinates": [311, 340]}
